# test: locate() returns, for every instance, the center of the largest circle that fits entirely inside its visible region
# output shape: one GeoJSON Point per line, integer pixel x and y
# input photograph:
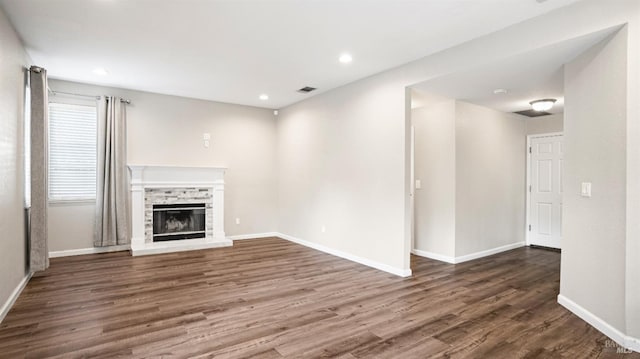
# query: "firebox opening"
{"type": "Point", "coordinates": [178, 221]}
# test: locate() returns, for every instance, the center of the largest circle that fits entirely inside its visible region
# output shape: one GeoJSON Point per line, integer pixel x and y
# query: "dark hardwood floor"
{"type": "Point", "coordinates": [269, 298]}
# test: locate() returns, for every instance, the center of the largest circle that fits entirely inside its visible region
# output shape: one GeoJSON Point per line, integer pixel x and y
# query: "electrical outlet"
{"type": "Point", "coordinates": [206, 136]}
{"type": "Point", "coordinates": [237, 220]}
{"type": "Point", "coordinates": [323, 229]}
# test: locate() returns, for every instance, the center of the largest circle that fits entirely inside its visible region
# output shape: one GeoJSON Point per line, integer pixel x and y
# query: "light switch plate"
{"type": "Point", "coordinates": [586, 189]}
{"type": "Point", "coordinates": [418, 184]}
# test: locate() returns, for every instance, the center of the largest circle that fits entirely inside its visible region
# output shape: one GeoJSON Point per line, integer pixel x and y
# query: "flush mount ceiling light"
{"type": "Point", "coordinates": [499, 91]}
{"type": "Point", "coordinates": [101, 71]}
{"type": "Point", "coordinates": [542, 105]}
{"type": "Point", "coordinates": [264, 97]}
{"type": "Point", "coordinates": [345, 58]}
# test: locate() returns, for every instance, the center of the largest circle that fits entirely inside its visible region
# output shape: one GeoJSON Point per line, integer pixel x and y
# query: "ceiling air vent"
{"type": "Point", "coordinates": [306, 89]}
{"type": "Point", "coordinates": [532, 113]}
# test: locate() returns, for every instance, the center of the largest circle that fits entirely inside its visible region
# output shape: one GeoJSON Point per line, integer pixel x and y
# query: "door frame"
{"type": "Point", "coordinates": [528, 184]}
{"type": "Point", "coordinates": [412, 188]}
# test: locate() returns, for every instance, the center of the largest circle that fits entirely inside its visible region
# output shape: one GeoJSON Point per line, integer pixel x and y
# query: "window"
{"type": "Point", "coordinates": [72, 152]}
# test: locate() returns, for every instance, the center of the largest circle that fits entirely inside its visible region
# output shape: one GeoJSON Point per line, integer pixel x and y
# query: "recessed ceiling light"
{"type": "Point", "coordinates": [101, 71]}
{"type": "Point", "coordinates": [500, 91]}
{"type": "Point", "coordinates": [542, 105]}
{"type": "Point", "coordinates": [264, 97]}
{"type": "Point", "coordinates": [345, 58]}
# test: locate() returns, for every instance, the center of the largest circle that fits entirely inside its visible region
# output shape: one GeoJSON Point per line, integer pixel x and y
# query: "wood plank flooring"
{"type": "Point", "coordinates": [269, 298]}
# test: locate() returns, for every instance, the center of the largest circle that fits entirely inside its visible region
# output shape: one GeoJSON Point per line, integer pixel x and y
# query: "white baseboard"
{"type": "Point", "coordinates": [596, 322]}
{"type": "Point", "coordinates": [488, 252]}
{"type": "Point", "coordinates": [6, 307]}
{"type": "Point", "coordinates": [93, 250]}
{"type": "Point", "coordinates": [633, 343]}
{"type": "Point", "coordinates": [252, 236]}
{"type": "Point", "coordinates": [467, 257]}
{"type": "Point", "coordinates": [436, 256]}
{"type": "Point", "coordinates": [370, 263]}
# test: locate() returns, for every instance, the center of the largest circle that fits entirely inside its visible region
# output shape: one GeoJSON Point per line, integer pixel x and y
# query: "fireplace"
{"type": "Point", "coordinates": [178, 221]}
{"type": "Point", "coordinates": [176, 209]}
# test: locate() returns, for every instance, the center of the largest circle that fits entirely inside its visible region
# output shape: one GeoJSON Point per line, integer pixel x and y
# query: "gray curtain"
{"type": "Point", "coordinates": [112, 202]}
{"type": "Point", "coordinates": [38, 248]}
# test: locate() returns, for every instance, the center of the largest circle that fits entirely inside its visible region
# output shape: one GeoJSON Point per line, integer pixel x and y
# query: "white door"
{"type": "Point", "coordinates": [545, 200]}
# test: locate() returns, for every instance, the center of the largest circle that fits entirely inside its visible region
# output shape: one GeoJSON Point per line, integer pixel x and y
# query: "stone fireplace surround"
{"type": "Point", "coordinates": [174, 184]}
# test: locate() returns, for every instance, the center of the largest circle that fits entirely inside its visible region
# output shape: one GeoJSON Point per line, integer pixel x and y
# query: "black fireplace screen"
{"type": "Point", "coordinates": [178, 221]}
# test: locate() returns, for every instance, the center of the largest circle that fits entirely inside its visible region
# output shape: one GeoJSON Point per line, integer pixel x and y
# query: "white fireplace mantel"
{"type": "Point", "coordinates": [148, 177]}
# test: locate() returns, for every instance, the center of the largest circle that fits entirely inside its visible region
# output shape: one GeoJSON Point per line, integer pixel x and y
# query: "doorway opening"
{"type": "Point", "coordinates": [471, 134]}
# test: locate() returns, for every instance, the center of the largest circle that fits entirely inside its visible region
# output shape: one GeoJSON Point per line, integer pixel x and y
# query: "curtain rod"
{"type": "Point", "coordinates": [128, 102]}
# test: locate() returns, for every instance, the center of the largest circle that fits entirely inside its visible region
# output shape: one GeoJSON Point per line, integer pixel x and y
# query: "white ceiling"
{"type": "Point", "coordinates": [527, 77]}
{"type": "Point", "coordinates": [234, 50]}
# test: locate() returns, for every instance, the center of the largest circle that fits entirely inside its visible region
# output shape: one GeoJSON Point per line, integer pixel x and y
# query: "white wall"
{"type": "Point", "coordinates": [341, 166]}
{"type": "Point", "coordinates": [13, 248]}
{"type": "Point", "coordinates": [544, 124]}
{"type": "Point", "coordinates": [167, 130]}
{"type": "Point", "coordinates": [593, 251]}
{"type": "Point", "coordinates": [490, 178]}
{"type": "Point", "coordinates": [71, 225]}
{"type": "Point", "coordinates": [435, 167]}
{"type": "Point", "coordinates": [471, 162]}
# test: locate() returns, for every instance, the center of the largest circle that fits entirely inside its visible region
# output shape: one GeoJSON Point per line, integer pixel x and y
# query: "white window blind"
{"type": "Point", "coordinates": [72, 152]}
